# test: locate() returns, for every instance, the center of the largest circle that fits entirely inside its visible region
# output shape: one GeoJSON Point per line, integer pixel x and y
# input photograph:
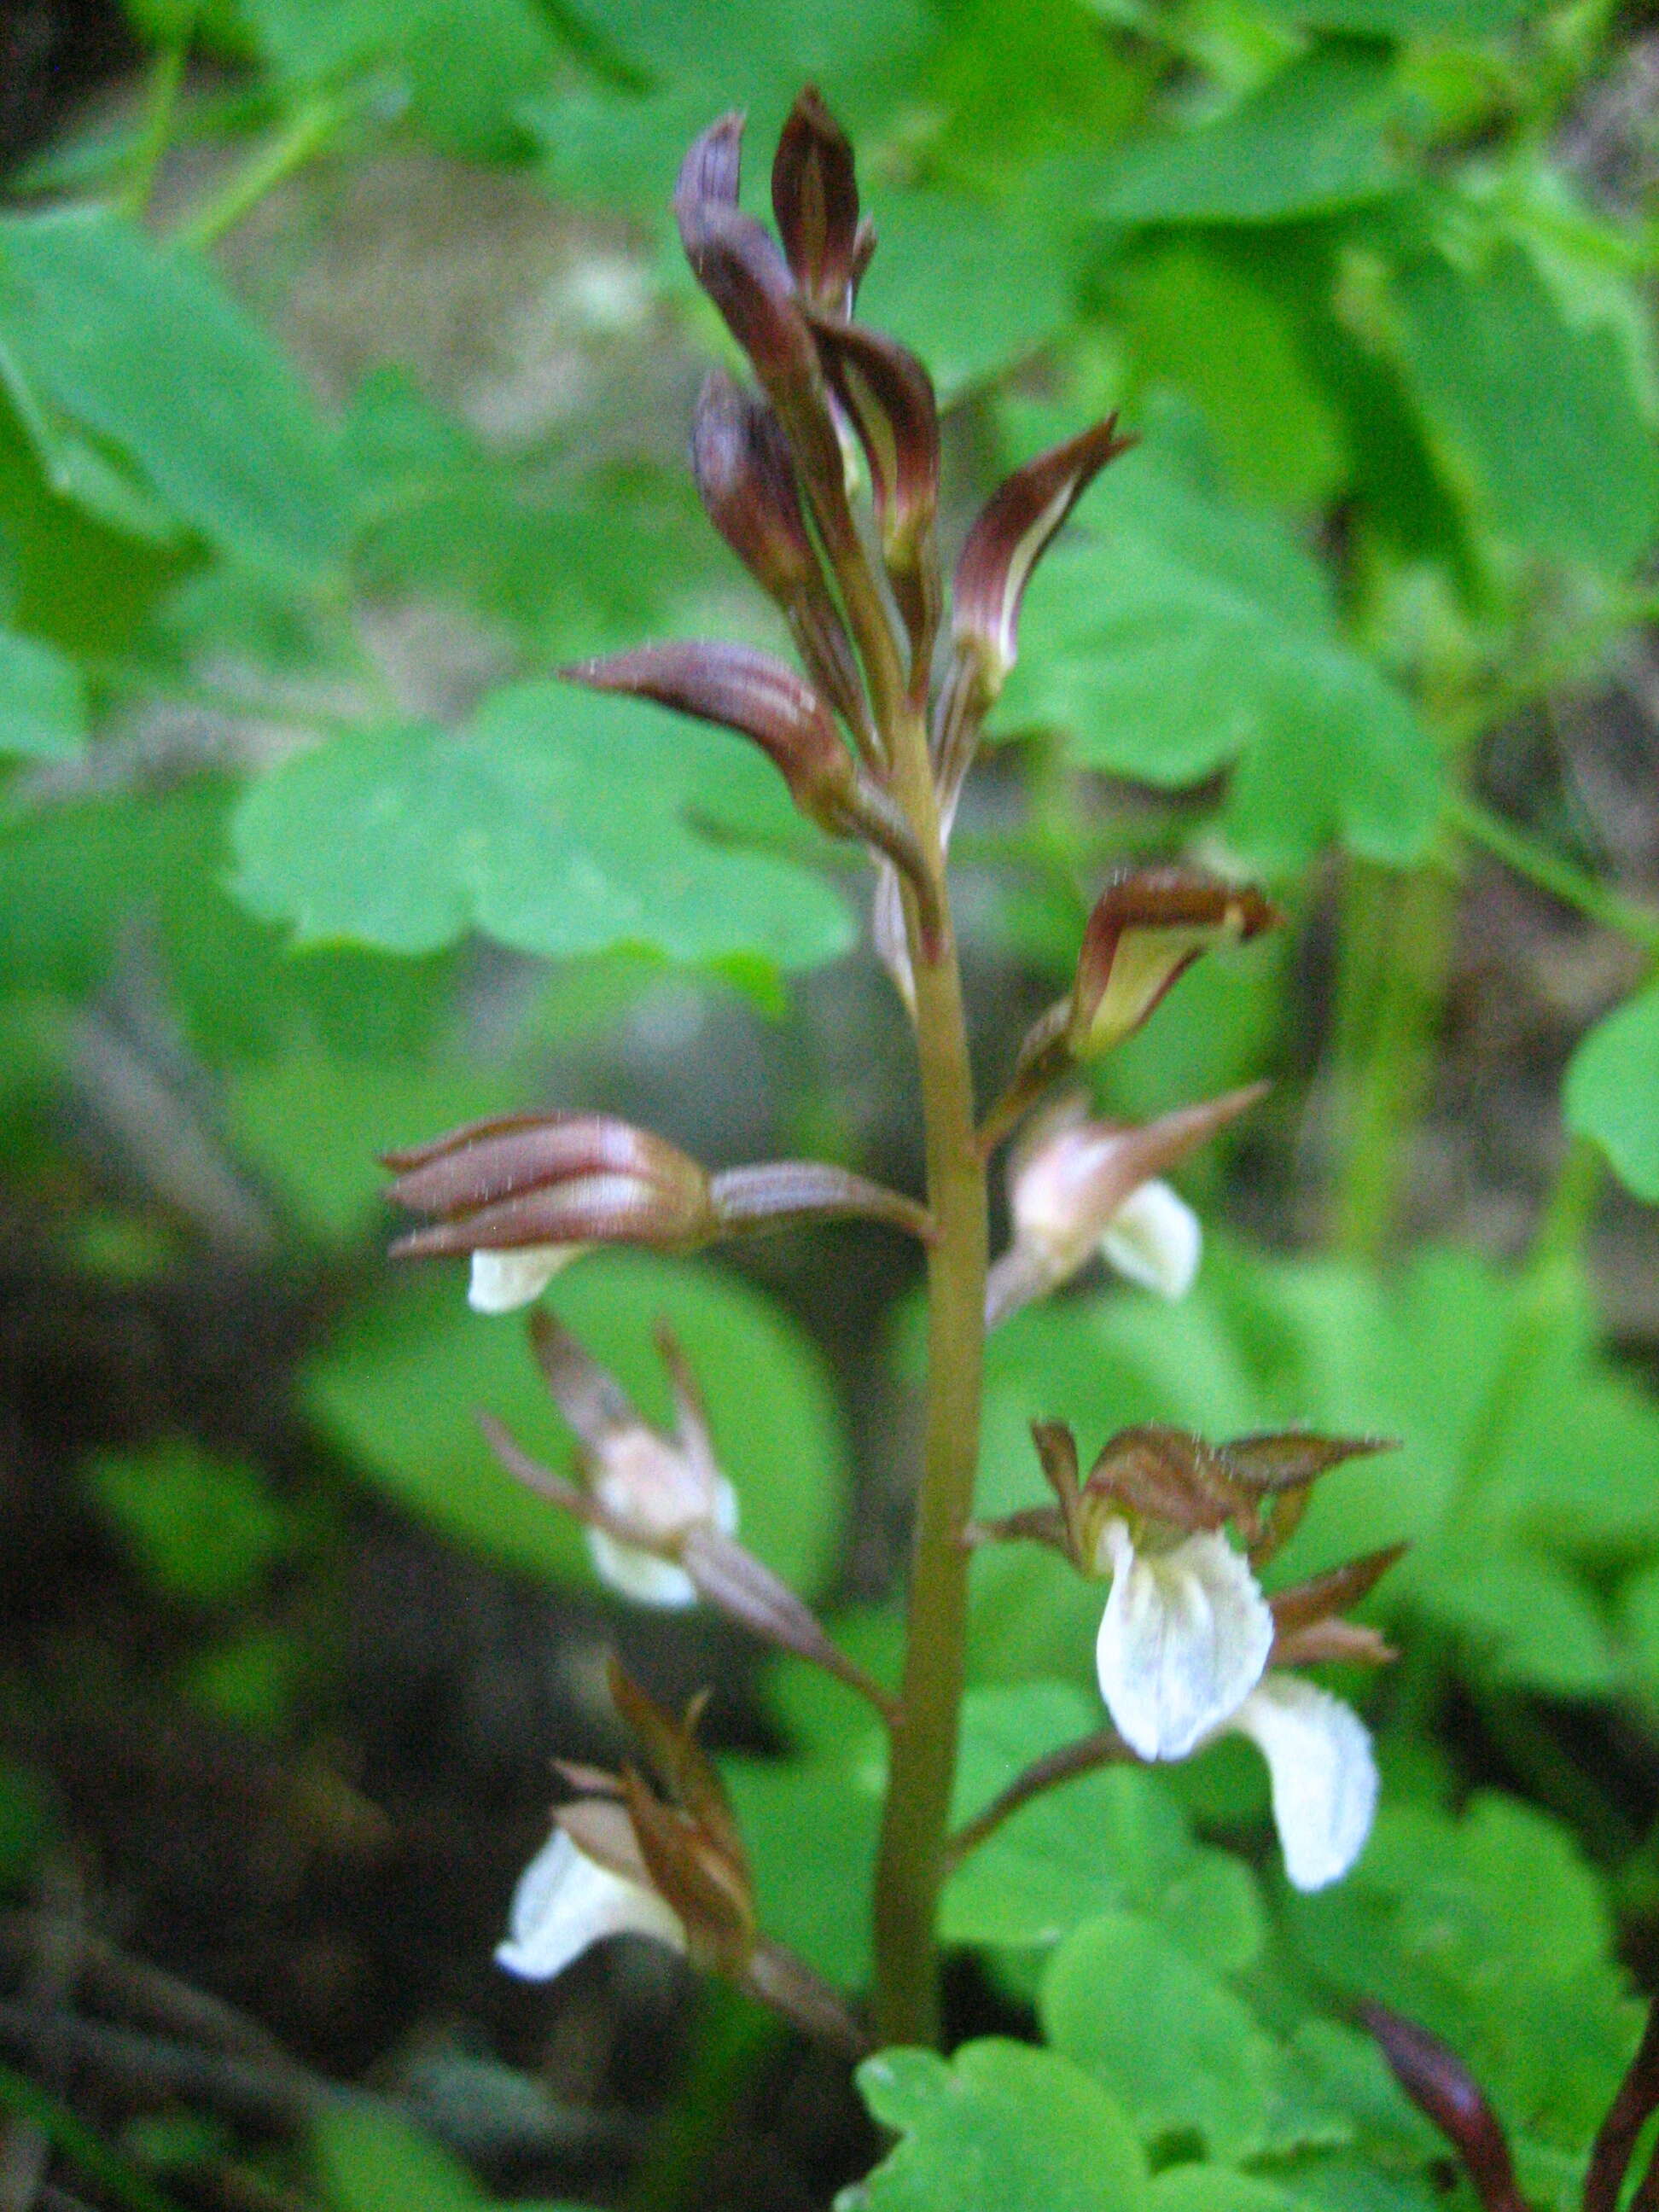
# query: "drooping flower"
{"type": "Point", "coordinates": [565, 1902]}
{"type": "Point", "coordinates": [663, 1487]}
{"type": "Point", "coordinates": [1077, 1186]}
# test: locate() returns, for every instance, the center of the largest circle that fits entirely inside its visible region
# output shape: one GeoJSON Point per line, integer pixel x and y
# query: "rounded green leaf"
{"type": "Point", "coordinates": [43, 710]}
{"type": "Point", "coordinates": [1611, 1092]}
{"type": "Point", "coordinates": [558, 822]}
{"type": "Point", "coordinates": [999, 2125]}
{"type": "Point", "coordinates": [141, 347]}
{"type": "Point", "coordinates": [1180, 2050]}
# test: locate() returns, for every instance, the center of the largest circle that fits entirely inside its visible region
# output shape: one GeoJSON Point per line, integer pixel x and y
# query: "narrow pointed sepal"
{"type": "Point", "coordinates": [815, 200]}
{"type": "Point", "coordinates": [751, 692]}
{"type": "Point", "coordinates": [1006, 543]}
{"type": "Point", "coordinates": [737, 1583]}
{"type": "Point", "coordinates": [1183, 1643]}
{"type": "Point", "coordinates": [1322, 1773]}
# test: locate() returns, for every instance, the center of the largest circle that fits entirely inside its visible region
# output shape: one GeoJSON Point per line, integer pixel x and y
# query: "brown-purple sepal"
{"type": "Point", "coordinates": [1146, 930]}
{"type": "Point", "coordinates": [889, 397]}
{"type": "Point", "coordinates": [1006, 541]}
{"type": "Point", "coordinates": [748, 691]}
{"type": "Point", "coordinates": [1308, 1627]}
{"type": "Point", "coordinates": [554, 1179]}
{"type": "Point", "coordinates": [710, 171]}
{"type": "Point", "coordinates": [1445, 2092]}
{"type": "Point", "coordinates": [737, 1584]}
{"type": "Point", "coordinates": [746, 480]}
{"type": "Point", "coordinates": [815, 200]}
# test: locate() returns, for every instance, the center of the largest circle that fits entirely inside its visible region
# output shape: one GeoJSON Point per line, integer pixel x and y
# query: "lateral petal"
{"type": "Point", "coordinates": [1323, 1774]}
{"type": "Point", "coordinates": [1154, 1240]}
{"type": "Point", "coordinates": [1184, 1638]}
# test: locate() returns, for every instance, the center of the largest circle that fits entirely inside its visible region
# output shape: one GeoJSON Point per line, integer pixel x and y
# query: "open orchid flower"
{"type": "Point", "coordinates": [664, 1485]}
{"type": "Point", "coordinates": [1077, 1186]}
{"type": "Point", "coordinates": [1190, 1647]}
{"type": "Point", "coordinates": [662, 1858]}
{"type": "Point", "coordinates": [566, 1902]}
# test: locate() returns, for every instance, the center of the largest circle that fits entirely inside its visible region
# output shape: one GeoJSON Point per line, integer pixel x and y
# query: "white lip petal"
{"type": "Point", "coordinates": [504, 1281]}
{"type": "Point", "coordinates": [638, 1574]}
{"type": "Point", "coordinates": [565, 1901]}
{"type": "Point", "coordinates": [1154, 1240]}
{"type": "Point", "coordinates": [1184, 1641]}
{"type": "Point", "coordinates": [642, 1575]}
{"type": "Point", "coordinates": [1323, 1775]}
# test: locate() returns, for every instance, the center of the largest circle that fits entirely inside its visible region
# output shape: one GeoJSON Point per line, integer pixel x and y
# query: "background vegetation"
{"type": "Point", "coordinates": [345, 373]}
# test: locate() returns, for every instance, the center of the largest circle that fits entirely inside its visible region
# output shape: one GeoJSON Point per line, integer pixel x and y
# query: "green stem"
{"type": "Point", "coordinates": [303, 137]}
{"type": "Point", "coordinates": [912, 1858]}
{"type": "Point", "coordinates": [161, 105]}
{"type": "Point", "coordinates": [1402, 938]}
{"type": "Point", "coordinates": [1559, 878]}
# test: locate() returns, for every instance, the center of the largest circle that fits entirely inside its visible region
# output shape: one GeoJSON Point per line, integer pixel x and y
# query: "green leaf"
{"type": "Point", "coordinates": [810, 1828]}
{"type": "Point", "coordinates": [1313, 139]}
{"type": "Point", "coordinates": [558, 821]}
{"type": "Point", "coordinates": [1611, 1092]}
{"type": "Point", "coordinates": [1206, 2188]}
{"type": "Point", "coordinates": [368, 2160]}
{"type": "Point", "coordinates": [202, 1527]}
{"type": "Point", "coordinates": [1539, 412]}
{"type": "Point", "coordinates": [43, 708]}
{"type": "Point", "coordinates": [140, 346]}
{"type": "Point", "coordinates": [1185, 633]}
{"type": "Point", "coordinates": [1405, 18]}
{"type": "Point", "coordinates": [1113, 1837]}
{"type": "Point", "coordinates": [999, 2125]}
{"type": "Point", "coordinates": [1198, 317]}
{"type": "Point", "coordinates": [973, 289]}
{"type": "Point", "coordinates": [1176, 2046]}
{"type": "Point", "coordinates": [402, 1385]}
{"type": "Point", "coordinates": [1491, 1932]}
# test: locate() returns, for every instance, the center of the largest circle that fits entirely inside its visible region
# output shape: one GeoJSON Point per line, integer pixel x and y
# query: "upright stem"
{"type": "Point", "coordinates": [1390, 1061]}
{"type": "Point", "coordinates": [911, 1865]}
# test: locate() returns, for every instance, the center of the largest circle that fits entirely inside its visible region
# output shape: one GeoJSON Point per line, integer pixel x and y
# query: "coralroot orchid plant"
{"type": "Point", "coordinates": [825, 478]}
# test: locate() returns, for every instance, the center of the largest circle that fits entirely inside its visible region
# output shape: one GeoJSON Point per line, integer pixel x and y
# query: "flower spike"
{"type": "Point", "coordinates": [815, 200]}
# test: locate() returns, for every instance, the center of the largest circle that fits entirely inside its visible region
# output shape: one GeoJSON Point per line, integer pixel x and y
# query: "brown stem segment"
{"type": "Point", "coordinates": [911, 1863]}
{"type": "Point", "coordinates": [1106, 1747]}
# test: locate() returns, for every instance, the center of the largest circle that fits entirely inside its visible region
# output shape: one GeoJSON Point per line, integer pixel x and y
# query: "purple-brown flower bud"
{"type": "Point", "coordinates": [763, 699]}
{"type": "Point", "coordinates": [888, 397]}
{"type": "Point", "coordinates": [746, 480]}
{"type": "Point", "coordinates": [1009, 537]}
{"type": "Point", "coordinates": [540, 1189]}
{"type": "Point", "coordinates": [815, 199]}
{"type": "Point", "coordinates": [1148, 926]}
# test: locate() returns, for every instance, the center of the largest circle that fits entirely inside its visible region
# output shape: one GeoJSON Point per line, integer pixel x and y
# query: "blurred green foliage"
{"type": "Point", "coordinates": [1386, 339]}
